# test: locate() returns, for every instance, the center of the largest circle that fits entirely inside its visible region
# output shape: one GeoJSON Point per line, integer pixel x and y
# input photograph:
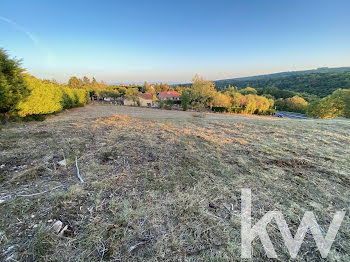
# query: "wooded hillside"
{"type": "Point", "coordinates": [317, 82]}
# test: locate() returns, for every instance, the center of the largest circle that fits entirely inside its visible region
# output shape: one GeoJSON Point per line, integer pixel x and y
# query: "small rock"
{"type": "Point", "coordinates": [2, 201]}
{"type": "Point", "coordinates": [56, 227]}
{"type": "Point", "coordinates": [62, 163]}
{"type": "Point", "coordinates": [2, 166]}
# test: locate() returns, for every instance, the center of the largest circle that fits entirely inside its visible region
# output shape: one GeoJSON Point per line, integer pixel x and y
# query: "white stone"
{"type": "Point", "coordinates": [56, 227]}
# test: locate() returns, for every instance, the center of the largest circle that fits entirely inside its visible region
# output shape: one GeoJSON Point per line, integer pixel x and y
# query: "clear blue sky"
{"type": "Point", "coordinates": [170, 41]}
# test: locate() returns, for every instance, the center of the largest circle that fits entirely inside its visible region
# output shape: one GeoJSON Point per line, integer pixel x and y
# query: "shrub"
{"type": "Point", "coordinates": [169, 104]}
{"type": "Point", "coordinates": [185, 100]}
{"type": "Point", "coordinates": [160, 103]}
{"type": "Point", "coordinates": [82, 96]}
{"type": "Point", "coordinates": [235, 109]}
{"type": "Point", "coordinates": [69, 100]}
{"type": "Point", "coordinates": [45, 98]}
{"type": "Point", "coordinates": [221, 100]}
{"type": "Point", "coordinates": [66, 102]}
{"type": "Point", "coordinates": [219, 109]}
{"type": "Point", "coordinates": [268, 112]}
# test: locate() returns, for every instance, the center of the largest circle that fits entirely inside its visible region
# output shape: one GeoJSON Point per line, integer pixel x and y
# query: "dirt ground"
{"type": "Point", "coordinates": [162, 185]}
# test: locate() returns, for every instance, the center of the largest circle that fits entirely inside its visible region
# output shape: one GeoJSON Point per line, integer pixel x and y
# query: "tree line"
{"type": "Point", "coordinates": [23, 95]}
{"type": "Point", "coordinates": [242, 100]}
{"type": "Point", "coordinates": [202, 95]}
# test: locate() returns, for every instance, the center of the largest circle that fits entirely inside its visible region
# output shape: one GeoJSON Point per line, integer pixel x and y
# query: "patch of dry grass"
{"type": "Point", "coordinates": [164, 185]}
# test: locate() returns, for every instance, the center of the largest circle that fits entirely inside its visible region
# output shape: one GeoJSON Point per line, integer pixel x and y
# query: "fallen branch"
{"type": "Point", "coordinates": [78, 175]}
{"type": "Point", "coordinates": [40, 193]}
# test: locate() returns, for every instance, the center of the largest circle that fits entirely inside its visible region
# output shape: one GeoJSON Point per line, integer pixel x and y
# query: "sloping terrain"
{"type": "Point", "coordinates": [166, 185]}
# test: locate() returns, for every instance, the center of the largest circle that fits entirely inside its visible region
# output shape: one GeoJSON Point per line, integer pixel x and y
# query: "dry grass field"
{"type": "Point", "coordinates": [165, 185]}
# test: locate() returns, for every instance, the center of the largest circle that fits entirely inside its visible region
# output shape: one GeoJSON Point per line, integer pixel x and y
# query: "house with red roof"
{"type": "Point", "coordinates": [171, 95]}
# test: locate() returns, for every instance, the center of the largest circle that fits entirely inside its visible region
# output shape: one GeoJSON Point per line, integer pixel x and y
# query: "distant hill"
{"type": "Point", "coordinates": [321, 82]}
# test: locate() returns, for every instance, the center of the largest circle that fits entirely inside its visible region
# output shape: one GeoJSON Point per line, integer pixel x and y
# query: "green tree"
{"type": "Point", "coordinates": [94, 83]}
{"type": "Point", "coordinates": [334, 105]}
{"type": "Point", "coordinates": [237, 99]}
{"type": "Point", "coordinates": [122, 90]}
{"type": "Point", "coordinates": [325, 108]}
{"type": "Point", "coordinates": [109, 93]}
{"type": "Point", "coordinates": [132, 94]}
{"type": "Point", "coordinates": [248, 91]}
{"type": "Point", "coordinates": [157, 88]}
{"type": "Point", "coordinates": [12, 85]}
{"type": "Point", "coordinates": [86, 81]}
{"type": "Point", "coordinates": [221, 100]}
{"type": "Point", "coordinates": [263, 104]}
{"type": "Point", "coordinates": [164, 87]}
{"type": "Point", "coordinates": [202, 92]}
{"type": "Point", "coordinates": [185, 100]}
{"type": "Point", "coordinates": [250, 104]}
{"type": "Point", "coordinates": [346, 99]}
{"type": "Point", "coordinates": [296, 104]}
{"type": "Point", "coordinates": [102, 84]}
{"type": "Point", "coordinates": [75, 82]}
{"type": "Point", "coordinates": [149, 88]}
{"type": "Point", "coordinates": [271, 90]}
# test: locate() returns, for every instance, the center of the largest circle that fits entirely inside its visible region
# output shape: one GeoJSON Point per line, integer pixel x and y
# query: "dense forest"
{"type": "Point", "coordinates": [321, 82]}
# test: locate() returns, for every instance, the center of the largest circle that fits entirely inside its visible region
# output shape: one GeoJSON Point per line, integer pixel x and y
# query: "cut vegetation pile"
{"type": "Point", "coordinates": [165, 185]}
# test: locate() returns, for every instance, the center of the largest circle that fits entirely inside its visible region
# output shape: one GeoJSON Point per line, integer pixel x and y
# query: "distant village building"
{"type": "Point", "coordinates": [145, 99]}
{"type": "Point", "coordinates": [171, 95]}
